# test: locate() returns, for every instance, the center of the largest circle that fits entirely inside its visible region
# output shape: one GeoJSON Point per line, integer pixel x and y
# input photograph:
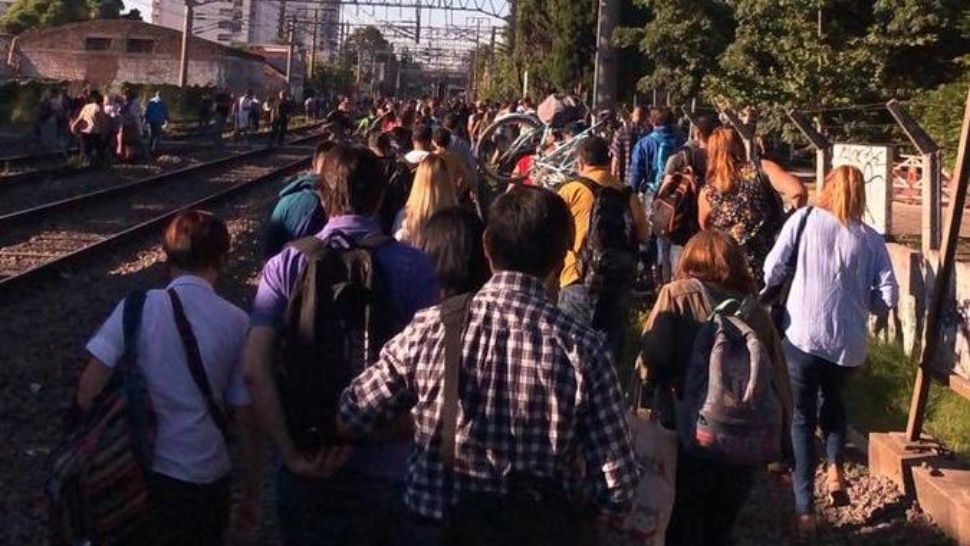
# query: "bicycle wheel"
{"type": "Point", "coordinates": [504, 143]}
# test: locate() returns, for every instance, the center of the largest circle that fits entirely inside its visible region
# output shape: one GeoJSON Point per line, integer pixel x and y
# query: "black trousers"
{"type": "Point", "coordinates": [709, 496]}
{"type": "Point", "coordinates": [184, 514]}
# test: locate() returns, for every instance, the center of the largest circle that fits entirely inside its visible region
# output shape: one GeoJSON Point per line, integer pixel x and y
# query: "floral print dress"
{"type": "Point", "coordinates": [748, 214]}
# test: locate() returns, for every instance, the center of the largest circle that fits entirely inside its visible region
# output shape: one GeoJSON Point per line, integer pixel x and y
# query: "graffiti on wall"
{"type": "Point", "coordinates": [875, 162]}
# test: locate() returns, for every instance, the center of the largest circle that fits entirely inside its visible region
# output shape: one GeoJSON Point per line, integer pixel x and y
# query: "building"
{"type": "Point", "coordinates": [116, 51]}
{"type": "Point", "coordinates": [257, 22]}
{"type": "Point", "coordinates": [5, 5]}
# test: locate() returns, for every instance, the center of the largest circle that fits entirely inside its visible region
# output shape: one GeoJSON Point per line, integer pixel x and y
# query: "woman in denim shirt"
{"type": "Point", "coordinates": [843, 272]}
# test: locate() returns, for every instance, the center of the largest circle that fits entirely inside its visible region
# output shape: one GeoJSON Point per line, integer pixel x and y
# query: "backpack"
{"type": "Point", "coordinates": [97, 491]}
{"type": "Point", "coordinates": [729, 410]}
{"type": "Point", "coordinates": [674, 214]}
{"type": "Point", "coordinates": [667, 146]}
{"type": "Point", "coordinates": [337, 321]}
{"type": "Point", "coordinates": [559, 111]}
{"type": "Point", "coordinates": [608, 257]}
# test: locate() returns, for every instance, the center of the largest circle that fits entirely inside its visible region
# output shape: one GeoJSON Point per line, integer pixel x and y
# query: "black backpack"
{"type": "Point", "coordinates": [337, 321]}
{"type": "Point", "coordinates": [608, 258]}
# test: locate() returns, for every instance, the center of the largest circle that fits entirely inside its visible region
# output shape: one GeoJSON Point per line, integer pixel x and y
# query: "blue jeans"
{"type": "Point", "coordinates": [606, 313]}
{"type": "Point", "coordinates": [349, 508]}
{"type": "Point", "coordinates": [817, 388]}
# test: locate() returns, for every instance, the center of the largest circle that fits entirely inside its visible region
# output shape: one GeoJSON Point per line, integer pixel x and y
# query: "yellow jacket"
{"type": "Point", "coordinates": [580, 202]}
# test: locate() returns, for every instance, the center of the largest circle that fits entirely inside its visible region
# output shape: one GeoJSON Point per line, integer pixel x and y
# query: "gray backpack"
{"type": "Point", "coordinates": [729, 410]}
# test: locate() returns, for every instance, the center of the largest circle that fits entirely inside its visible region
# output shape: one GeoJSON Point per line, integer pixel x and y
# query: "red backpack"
{"type": "Point", "coordinates": [674, 214]}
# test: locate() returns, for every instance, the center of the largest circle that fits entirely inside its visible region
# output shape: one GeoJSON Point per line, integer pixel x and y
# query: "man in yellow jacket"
{"type": "Point", "coordinates": [604, 309]}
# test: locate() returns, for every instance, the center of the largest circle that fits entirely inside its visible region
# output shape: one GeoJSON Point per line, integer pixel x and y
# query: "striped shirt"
{"type": "Point", "coordinates": [537, 390]}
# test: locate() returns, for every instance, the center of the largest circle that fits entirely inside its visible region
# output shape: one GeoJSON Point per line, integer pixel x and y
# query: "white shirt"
{"type": "Point", "coordinates": [189, 446]}
{"type": "Point", "coordinates": [415, 157]}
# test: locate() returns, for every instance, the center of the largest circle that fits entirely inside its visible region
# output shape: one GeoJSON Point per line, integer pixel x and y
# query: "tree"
{"type": "Point", "coordinates": [34, 14]}
{"type": "Point", "coordinates": [555, 40]}
{"type": "Point", "coordinates": [364, 41]}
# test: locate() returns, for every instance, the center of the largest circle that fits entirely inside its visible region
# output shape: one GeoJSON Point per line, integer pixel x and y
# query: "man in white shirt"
{"type": "Point", "coordinates": [189, 485]}
{"type": "Point", "coordinates": [423, 146]}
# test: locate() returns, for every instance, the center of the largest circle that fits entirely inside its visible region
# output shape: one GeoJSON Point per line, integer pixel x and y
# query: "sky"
{"type": "Point", "coordinates": [363, 14]}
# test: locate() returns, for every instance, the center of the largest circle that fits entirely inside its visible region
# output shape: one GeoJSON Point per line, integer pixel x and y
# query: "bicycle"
{"type": "Point", "coordinates": [503, 144]}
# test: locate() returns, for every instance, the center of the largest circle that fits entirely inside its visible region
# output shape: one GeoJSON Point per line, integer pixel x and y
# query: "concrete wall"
{"type": "Point", "coordinates": [61, 54]}
{"type": "Point", "coordinates": [916, 277]}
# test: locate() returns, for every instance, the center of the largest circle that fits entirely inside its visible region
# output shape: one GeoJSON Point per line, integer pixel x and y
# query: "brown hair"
{"type": "Point", "coordinates": [660, 116]}
{"type": "Point", "coordinates": [844, 194]}
{"type": "Point", "coordinates": [351, 181]}
{"type": "Point", "coordinates": [196, 240]}
{"type": "Point", "coordinates": [714, 257]}
{"type": "Point", "coordinates": [725, 156]}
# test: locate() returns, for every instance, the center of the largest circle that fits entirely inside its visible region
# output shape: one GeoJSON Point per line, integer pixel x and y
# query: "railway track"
{"type": "Point", "coordinates": [20, 169]}
{"type": "Point", "coordinates": [45, 240]}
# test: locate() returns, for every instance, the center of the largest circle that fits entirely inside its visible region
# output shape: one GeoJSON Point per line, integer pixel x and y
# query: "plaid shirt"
{"type": "Point", "coordinates": [537, 389]}
{"type": "Point", "coordinates": [622, 147]}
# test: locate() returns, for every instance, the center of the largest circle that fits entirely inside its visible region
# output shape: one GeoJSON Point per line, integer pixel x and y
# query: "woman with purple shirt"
{"type": "Point", "coordinates": [843, 272]}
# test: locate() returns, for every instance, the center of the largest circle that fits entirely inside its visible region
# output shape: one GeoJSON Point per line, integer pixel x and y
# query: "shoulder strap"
{"type": "Point", "coordinates": [194, 360]}
{"type": "Point", "coordinates": [309, 246]}
{"type": "Point", "coordinates": [454, 314]}
{"type": "Point", "coordinates": [131, 322]}
{"type": "Point", "coordinates": [792, 261]}
{"type": "Point", "coordinates": [590, 185]}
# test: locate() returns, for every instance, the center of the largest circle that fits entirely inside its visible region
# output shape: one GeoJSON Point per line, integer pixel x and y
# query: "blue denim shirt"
{"type": "Point", "coordinates": [842, 273]}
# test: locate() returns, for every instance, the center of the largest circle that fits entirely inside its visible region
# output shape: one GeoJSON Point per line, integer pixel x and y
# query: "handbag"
{"type": "Point", "coordinates": [775, 296]}
{"type": "Point", "coordinates": [655, 449]}
{"type": "Point", "coordinates": [97, 491]}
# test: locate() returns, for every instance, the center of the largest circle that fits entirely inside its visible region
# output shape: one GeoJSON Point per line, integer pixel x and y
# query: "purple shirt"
{"type": "Point", "coordinates": [413, 285]}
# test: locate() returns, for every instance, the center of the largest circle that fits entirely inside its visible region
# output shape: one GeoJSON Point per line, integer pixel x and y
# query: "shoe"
{"type": "Point", "coordinates": [838, 496]}
{"type": "Point", "coordinates": [806, 529]}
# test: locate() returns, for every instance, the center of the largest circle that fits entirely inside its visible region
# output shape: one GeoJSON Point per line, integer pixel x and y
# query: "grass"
{"type": "Point", "coordinates": [879, 397]}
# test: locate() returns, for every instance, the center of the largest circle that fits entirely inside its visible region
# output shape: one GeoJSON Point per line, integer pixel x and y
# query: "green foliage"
{"type": "Point", "coordinates": [364, 40]}
{"type": "Point", "coordinates": [555, 42]}
{"type": "Point", "coordinates": [879, 395]}
{"type": "Point", "coordinates": [34, 14]}
{"type": "Point", "coordinates": [332, 79]}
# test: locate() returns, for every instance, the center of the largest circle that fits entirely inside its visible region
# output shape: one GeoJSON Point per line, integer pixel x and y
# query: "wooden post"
{"type": "Point", "coordinates": [822, 145]}
{"type": "Point", "coordinates": [932, 174]}
{"type": "Point", "coordinates": [941, 286]}
{"type": "Point", "coordinates": [744, 130]}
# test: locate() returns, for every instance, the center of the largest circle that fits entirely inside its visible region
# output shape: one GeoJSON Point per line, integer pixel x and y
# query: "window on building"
{"type": "Point", "coordinates": [226, 12]}
{"type": "Point", "coordinates": [97, 44]}
{"type": "Point", "coordinates": [224, 38]}
{"type": "Point", "coordinates": [138, 45]}
{"type": "Point", "coordinates": [225, 25]}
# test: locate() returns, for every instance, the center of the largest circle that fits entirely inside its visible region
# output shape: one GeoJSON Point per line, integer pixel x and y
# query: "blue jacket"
{"type": "Point", "coordinates": [650, 157]}
{"type": "Point", "coordinates": [156, 112]}
{"type": "Point", "coordinates": [297, 214]}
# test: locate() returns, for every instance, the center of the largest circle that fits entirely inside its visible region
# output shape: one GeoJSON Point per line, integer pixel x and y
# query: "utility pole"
{"type": "Point", "coordinates": [281, 20]}
{"type": "Point", "coordinates": [289, 54]}
{"type": "Point", "coordinates": [605, 73]}
{"type": "Point", "coordinates": [186, 37]}
{"type": "Point", "coordinates": [417, 21]}
{"type": "Point", "coordinates": [313, 46]}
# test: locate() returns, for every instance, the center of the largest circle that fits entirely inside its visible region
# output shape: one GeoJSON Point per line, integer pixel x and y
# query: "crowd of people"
{"type": "Point", "coordinates": [431, 370]}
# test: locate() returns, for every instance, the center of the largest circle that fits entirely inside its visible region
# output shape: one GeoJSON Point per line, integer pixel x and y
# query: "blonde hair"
{"type": "Point", "coordinates": [725, 157]}
{"type": "Point", "coordinates": [433, 190]}
{"type": "Point", "coordinates": [844, 194]}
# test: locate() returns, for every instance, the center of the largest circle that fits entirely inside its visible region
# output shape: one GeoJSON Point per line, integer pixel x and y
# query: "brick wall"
{"type": "Point", "coordinates": [137, 52]}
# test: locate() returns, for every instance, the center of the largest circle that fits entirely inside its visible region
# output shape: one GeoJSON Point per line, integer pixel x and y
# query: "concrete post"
{"type": "Point", "coordinates": [186, 38]}
{"type": "Point", "coordinates": [605, 72]}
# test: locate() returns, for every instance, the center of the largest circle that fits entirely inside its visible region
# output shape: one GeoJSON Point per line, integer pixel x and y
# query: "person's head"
{"type": "Point", "coordinates": [703, 127]}
{"type": "Point", "coordinates": [530, 229]}
{"type": "Point", "coordinates": [593, 153]}
{"type": "Point", "coordinates": [713, 257]}
{"type": "Point", "coordinates": [660, 116]}
{"type": "Point", "coordinates": [196, 242]}
{"type": "Point", "coordinates": [158, 95]}
{"type": "Point", "coordinates": [352, 181]}
{"type": "Point", "coordinates": [451, 122]}
{"type": "Point", "coordinates": [725, 156]}
{"type": "Point", "coordinates": [441, 139]}
{"type": "Point", "coordinates": [401, 140]}
{"type": "Point", "coordinates": [639, 116]}
{"type": "Point", "coordinates": [421, 137]}
{"type": "Point", "coordinates": [844, 194]}
{"type": "Point", "coordinates": [94, 97]}
{"type": "Point", "coordinates": [380, 144]}
{"type": "Point", "coordinates": [452, 238]}
{"type": "Point", "coordinates": [749, 115]}
{"type": "Point", "coordinates": [320, 154]}
{"type": "Point", "coordinates": [433, 189]}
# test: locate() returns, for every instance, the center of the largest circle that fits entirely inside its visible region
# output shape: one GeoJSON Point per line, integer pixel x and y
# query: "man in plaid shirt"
{"type": "Point", "coordinates": [621, 149]}
{"type": "Point", "coordinates": [538, 390]}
